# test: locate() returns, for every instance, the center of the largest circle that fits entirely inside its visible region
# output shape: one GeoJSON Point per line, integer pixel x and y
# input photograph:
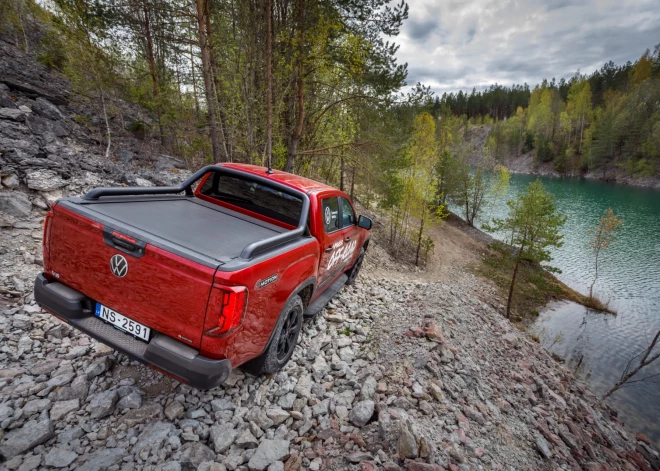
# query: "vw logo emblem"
{"type": "Point", "coordinates": [118, 266]}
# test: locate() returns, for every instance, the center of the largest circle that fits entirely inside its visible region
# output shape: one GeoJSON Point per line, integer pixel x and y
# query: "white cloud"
{"type": "Point", "coordinates": [460, 44]}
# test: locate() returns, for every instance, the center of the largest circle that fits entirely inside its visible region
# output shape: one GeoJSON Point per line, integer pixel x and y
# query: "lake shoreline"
{"type": "Point", "coordinates": [526, 165]}
{"type": "Point", "coordinates": [556, 291]}
{"type": "Point", "coordinates": [598, 347]}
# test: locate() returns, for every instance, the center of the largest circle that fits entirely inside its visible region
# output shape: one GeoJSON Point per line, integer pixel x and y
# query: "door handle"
{"type": "Point", "coordinates": [329, 249]}
{"type": "Point", "coordinates": [347, 239]}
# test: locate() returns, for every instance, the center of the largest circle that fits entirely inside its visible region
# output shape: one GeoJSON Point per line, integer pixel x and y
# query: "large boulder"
{"type": "Point", "coordinates": [195, 453]}
{"type": "Point", "coordinates": [222, 437]}
{"type": "Point", "coordinates": [23, 439]}
{"type": "Point", "coordinates": [15, 204]}
{"type": "Point", "coordinates": [167, 162]}
{"type": "Point", "coordinates": [45, 180]}
{"type": "Point", "coordinates": [103, 404]}
{"type": "Point", "coordinates": [5, 100]}
{"type": "Point", "coordinates": [102, 459]}
{"type": "Point", "coordinates": [153, 436]}
{"type": "Point", "coordinates": [10, 181]}
{"type": "Point", "coordinates": [46, 109]}
{"type": "Point", "coordinates": [361, 413]}
{"type": "Point", "coordinates": [12, 113]}
{"type": "Point", "coordinates": [268, 452]}
{"type": "Point", "coordinates": [60, 457]}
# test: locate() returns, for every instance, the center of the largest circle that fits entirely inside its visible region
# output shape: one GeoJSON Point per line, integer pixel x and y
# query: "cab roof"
{"type": "Point", "coordinates": [294, 181]}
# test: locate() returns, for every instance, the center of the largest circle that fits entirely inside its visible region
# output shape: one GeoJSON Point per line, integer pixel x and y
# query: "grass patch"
{"type": "Point", "coordinates": [594, 302]}
{"type": "Point", "coordinates": [345, 331]}
{"type": "Point", "coordinates": [535, 287]}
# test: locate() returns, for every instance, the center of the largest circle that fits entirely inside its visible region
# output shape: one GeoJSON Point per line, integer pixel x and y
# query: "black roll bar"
{"type": "Point", "coordinates": [249, 251]}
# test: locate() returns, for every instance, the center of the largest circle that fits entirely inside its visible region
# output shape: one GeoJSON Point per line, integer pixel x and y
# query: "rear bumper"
{"type": "Point", "coordinates": [162, 352]}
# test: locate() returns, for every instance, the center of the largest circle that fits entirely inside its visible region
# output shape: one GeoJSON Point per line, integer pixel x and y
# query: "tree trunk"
{"type": "Point", "coordinates": [645, 361]}
{"type": "Point", "coordinates": [108, 137]}
{"type": "Point", "coordinates": [216, 80]}
{"type": "Point", "coordinates": [194, 81]}
{"type": "Point", "coordinates": [591, 288]}
{"type": "Point", "coordinates": [297, 131]}
{"type": "Point", "coordinates": [294, 138]}
{"type": "Point", "coordinates": [269, 84]}
{"type": "Point", "coordinates": [467, 209]}
{"type": "Point", "coordinates": [208, 81]}
{"type": "Point", "coordinates": [513, 282]}
{"type": "Point", "coordinates": [421, 232]}
{"type": "Point", "coordinates": [581, 130]}
{"type": "Point", "coordinates": [341, 173]}
{"type": "Point", "coordinates": [352, 181]}
{"type": "Point", "coordinates": [152, 69]}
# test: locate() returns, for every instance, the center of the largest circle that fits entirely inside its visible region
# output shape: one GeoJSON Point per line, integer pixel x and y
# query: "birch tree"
{"type": "Point", "coordinates": [603, 234]}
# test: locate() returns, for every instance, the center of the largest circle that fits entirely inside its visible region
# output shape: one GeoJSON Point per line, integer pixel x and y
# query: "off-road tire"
{"type": "Point", "coordinates": [275, 356]}
{"type": "Point", "coordinates": [353, 272]}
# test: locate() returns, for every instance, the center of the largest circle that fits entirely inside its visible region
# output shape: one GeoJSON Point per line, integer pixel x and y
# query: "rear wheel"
{"type": "Point", "coordinates": [283, 342]}
{"type": "Point", "coordinates": [352, 275]}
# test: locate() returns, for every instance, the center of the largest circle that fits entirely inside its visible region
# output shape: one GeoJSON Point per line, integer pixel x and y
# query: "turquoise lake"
{"type": "Point", "coordinates": [598, 346]}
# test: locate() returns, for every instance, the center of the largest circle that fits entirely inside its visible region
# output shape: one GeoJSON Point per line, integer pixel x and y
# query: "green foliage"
{"type": "Point", "coordinates": [533, 222]}
{"type": "Point", "coordinates": [544, 149]}
{"type": "Point", "coordinates": [52, 50]}
{"type": "Point", "coordinates": [602, 235]}
{"type": "Point", "coordinates": [139, 128]}
{"type": "Point", "coordinates": [471, 185]}
{"type": "Point", "coordinates": [533, 225]}
{"type": "Point", "coordinates": [607, 118]}
{"type": "Point", "coordinates": [500, 184]}
{"type": "Point", "coordinates": [82, 119]}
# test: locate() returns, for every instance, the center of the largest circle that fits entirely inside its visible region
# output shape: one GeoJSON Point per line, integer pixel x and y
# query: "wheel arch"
{"type": "Point", "coordinates": [308, 285]}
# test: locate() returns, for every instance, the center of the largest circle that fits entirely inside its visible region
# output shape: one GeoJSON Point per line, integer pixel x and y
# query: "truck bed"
{"type": "Point", "coordinates": [208, 233]}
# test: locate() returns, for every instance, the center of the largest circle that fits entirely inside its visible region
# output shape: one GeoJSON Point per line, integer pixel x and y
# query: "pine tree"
{"type": "Point", "coordinates": [535, 224]}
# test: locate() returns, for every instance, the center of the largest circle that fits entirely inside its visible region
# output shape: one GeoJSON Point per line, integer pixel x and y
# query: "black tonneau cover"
{"type": "Point", "coordinates": [206, 228]}
{"type": "Point", "coordinates": [201, 231]}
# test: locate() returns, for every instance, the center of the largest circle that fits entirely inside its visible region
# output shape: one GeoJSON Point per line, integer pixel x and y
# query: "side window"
{"type": "Point", "coordinates": [330, 208]}
{"type": "Point", "coordinates": [347, 214]}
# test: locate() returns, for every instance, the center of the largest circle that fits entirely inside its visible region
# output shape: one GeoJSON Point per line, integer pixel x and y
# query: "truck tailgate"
{"type": "Point", "coordinates": [161, 290]}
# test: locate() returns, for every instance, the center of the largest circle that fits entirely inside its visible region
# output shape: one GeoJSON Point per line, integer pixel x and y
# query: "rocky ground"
{"type": "Point", "coordinates": [399, 372]}
{"type": "Point", "coordinates": [394, 374]}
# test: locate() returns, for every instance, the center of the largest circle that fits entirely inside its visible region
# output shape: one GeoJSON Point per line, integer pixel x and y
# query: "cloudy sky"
{"type": "Point", "coordinates": [458, 44]}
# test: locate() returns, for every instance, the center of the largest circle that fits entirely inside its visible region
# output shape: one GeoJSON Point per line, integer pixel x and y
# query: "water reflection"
{"type": "Point", "coordinates": [597, 348]}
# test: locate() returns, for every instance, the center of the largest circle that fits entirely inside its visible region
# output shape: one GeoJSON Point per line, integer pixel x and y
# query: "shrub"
{"type": "Point", "coordinates": [139, 128]}
{"type": "Point", "coordinates": [544, 149]}
{"type": "Point", "coordinates": [52, 51]}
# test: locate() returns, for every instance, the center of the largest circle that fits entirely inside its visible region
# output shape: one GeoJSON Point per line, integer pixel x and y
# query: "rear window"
{"type": "Point", "coordinates": [253, 196]}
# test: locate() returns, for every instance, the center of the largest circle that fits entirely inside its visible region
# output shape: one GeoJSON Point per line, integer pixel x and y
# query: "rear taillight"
{"type": "Point", "coordinates": [233, 307]}
{"type": "Point", "coordinates": [47, 222]}
{"type": "Point", "coordinates": [226, 309]}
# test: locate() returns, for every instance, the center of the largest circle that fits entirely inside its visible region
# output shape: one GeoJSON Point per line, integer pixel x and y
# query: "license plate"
{"type": "Point", "coordinates": [122, 322]}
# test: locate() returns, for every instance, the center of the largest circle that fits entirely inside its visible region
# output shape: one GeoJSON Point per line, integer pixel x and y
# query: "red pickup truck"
{"type": "Point", "coordinates": [197, 279]}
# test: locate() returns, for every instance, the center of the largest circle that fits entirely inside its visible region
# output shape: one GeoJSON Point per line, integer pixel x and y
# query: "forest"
{"type": "Point", "coordinates": [311, 86]}
{"type": "Point", "coordinates": [314, 87]}
{"type": "Point", "coordinates": [609, 119]}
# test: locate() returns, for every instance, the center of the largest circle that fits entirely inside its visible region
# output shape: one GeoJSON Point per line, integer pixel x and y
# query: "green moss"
{"type": "Point", "coordinates": [82, 119]}
{"type": "Point", "coordinates": [52, 51]}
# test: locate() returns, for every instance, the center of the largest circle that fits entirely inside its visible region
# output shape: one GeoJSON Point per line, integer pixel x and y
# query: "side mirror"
{"type": "Point", "coordinates": [365, 223]}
